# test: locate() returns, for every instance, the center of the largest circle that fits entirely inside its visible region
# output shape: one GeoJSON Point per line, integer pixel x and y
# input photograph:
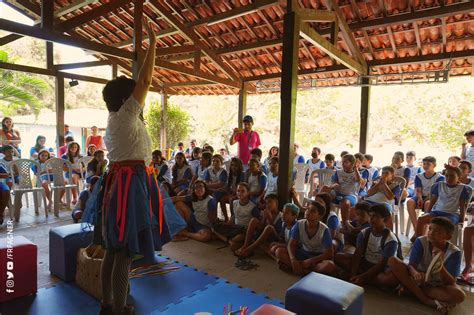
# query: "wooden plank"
{"type": "Point", "coordinates": [189, 33]}
{"type": "Point", "coordinates": [175, 50]}
{"type": "Point", "coordinates": [311, 15]}
{"type": "Point", "coordinates": [197, 74]}
{"type": "Point", "coordinates": [90, 15]}
{"type": "Point", "coordinates": [316, 39]}
{"type": "Point", "coordinates": [189, 83]}
{"type": "Point", "coordinates": [86, 64]}
{"type": "Point", "coordinates": [334, 36]}
{"type": "Point", "coordinates": [347, 34]}
{"type": "Point", "coordinates": [234, 13]}
{"type": "Point", "coordinates": [47, 35]}
{"type": "Point", "coordinates": [288, 94]}
{"type": "Point", "coordinates": [114, 70]}
{"type": "Point", "coordinates": [163, 120]}
{"type": "Point", "coordinates": [71, 7]}
{"type": "Point", "coordinates": [197, 60]}
{"type": "Point", "coordinates": [85, 78]}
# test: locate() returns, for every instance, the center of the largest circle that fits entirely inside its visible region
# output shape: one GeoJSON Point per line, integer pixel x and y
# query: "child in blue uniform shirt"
{"type": "Point", "coordinates": [433, 267]}
{"type": "Point", "coordinates": [310, 245]}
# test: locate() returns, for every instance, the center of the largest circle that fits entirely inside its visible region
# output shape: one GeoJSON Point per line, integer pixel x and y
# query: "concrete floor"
{"type": "Point", "coordinates": [266, 279]}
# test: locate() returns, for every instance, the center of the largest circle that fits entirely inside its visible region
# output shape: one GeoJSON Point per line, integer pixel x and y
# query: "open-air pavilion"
{"type": "Point", "coordinates": [243, 47]}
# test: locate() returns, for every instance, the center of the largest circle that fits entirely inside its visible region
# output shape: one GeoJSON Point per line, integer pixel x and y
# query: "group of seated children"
{"type": "Point", "coordinates": [313, 237]}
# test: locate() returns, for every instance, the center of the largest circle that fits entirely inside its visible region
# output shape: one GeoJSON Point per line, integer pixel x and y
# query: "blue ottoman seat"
{"type": "Point", "coordinates": [320, 294]}
{"type": "Point", "coordinates": [64, 242]}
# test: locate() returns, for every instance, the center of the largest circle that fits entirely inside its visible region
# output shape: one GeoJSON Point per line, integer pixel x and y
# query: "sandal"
{"type": "Point", "coordinates": [245, 264]}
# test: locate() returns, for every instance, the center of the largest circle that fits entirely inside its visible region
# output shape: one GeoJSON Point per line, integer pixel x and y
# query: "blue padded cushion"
{"type": "Point", "coordinates": [321, 294]}
{"type": "Point", "coordinates": [64, 242]}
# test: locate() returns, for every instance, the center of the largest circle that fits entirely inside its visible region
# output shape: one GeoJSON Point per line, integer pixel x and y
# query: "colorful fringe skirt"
{"type": "Point", "coordinates": [131, 212]}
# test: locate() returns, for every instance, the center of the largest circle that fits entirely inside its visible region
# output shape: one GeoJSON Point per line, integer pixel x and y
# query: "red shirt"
{"type": "Point", "coordinates": [248, 140]}
{"type": "Point", "coordinates": [95, 140]}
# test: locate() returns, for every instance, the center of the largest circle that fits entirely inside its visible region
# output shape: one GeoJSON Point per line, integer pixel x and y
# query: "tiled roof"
{"type": "Point", "coordinates": [394, 36]}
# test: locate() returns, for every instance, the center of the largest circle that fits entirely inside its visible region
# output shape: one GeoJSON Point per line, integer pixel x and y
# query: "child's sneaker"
{"type": "Point", "coordinates": [435, 266]}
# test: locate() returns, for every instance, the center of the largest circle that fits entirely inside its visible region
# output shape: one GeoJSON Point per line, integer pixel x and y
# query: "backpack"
{"type": "Point", "coordinates": [385, 234]}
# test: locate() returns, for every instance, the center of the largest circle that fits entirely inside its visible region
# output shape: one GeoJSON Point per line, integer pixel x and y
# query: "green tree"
{"type": "Point", "coordinates": [20, 92]}
{"type": "Point", "coordinates": [177, 124]}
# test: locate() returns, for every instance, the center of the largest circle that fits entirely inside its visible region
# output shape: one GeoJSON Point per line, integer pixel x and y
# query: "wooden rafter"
{"type": "Point", "coordinates": [193, 38]}
{"type": "Point", "coordinates": [175, 50]}
{"type": "Point", "coordinates": [347, 35]}
{"type": "Point", "coordinates": [316, 39]}
{"type": "Point", "coordinates": [51, 36]}
{"type": "Point", "coordinates": [355, 8]}
{"type": "Point", "coordinates": [73, 6]}
{"type": "Point", "coordinates": [86, 64]}
{"type": "Point", "coordinates": [311, 15]}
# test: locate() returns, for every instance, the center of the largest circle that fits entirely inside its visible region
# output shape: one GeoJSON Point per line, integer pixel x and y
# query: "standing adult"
{"type": "Point", "coordinates": [95, 138]}
{"type": "Point", "coordinates": [10, 136]}
{"type": "Point", "coordinates": [135, 215]}
{"type": "Point", "coordinates": [247, 139]}
{"type": "Point", "coordinates": [67, 132]}
{"type": "Point", "coordinates": [40, 145]}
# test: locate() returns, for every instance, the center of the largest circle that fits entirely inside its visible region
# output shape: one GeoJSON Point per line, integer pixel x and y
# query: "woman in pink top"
{"type": "Point", "coordinates": [247, 139]}
{"type": "Point", "coordinates": [95, 139]}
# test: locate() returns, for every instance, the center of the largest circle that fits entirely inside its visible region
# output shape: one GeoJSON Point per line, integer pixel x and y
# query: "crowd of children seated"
{"type": "Point", "coordinates": [360, 245]}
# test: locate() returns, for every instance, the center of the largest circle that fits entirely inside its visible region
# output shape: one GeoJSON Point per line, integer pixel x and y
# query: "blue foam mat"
{"type": "Point", "coordinates": [147, 294]}
{"type": "Point", "coordinates": [213, 297]}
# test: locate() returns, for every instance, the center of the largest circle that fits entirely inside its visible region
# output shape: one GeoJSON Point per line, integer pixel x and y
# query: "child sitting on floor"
{"type": "Point", "coordinates": [375, 245]}
{"type": "Point", "coordinates": [83, 197]}
{"type": "Point", "coordinates": [236, 176]}
{"type": "Point", "coordinates": [332, 221]}
{"type": "Point", "coordinates": [199, 210]}
{"type": "Point", "coordinates": [182, 174]}
{"type": "Point", "coordinates": [338, 164]}
{"type": "Point", "coordinates": [233, 231]}
{"type": "Point", "coordinates": [433, 267]}
{"type": "Point", "coordinates": [345, 186]}
{"type": "Point", "coordinates": [360, 222]}
{"type": "Point", "coordinates": [257, 155]}
{"type": "Point", "coordinates": [269, 225]}
{"type": "Point", "coordinates": [216, 180]}
{"type": "Point", "coordinates": [448, 199]}
{"type": "Point", "coordinates": [195, 158]}
{"type": "Point", "coordinates": [400, 170]}
{"type": "Point", "coordinates": [310, 245]}
{"type": "Point", "coordinates": [272, 178]}
{"type": "Point", "coordinates": [289, 218]}
{"type": "Point", "coordinates": [423, 183]}
{"type": "Point", "coordinates": [204, 164]}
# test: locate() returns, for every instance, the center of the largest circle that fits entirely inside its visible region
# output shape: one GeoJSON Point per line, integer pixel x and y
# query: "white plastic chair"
{"type": "Point", "coordinates": [300, 188]}
{"type": "Point", "coordinates": [398, 217]}
{"type": "Point", "coordinates": [56, 167]}
{"type": "Point", "coordinates": [22, 169]}
{"type": "Point", "coordinates": [324, 179]}
{"type": "Point", "coordinates": [83, 162]}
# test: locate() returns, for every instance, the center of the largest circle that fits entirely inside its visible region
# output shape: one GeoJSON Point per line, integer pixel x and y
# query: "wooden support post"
{"type": "Point", "coordinates": [49, 56]}
{"type": "Point", "coordinates": [364, 115]}
{"type": "Point", "coordinates": [289, 80]}
{"type": "Point", "coordinates": [47, 14]}
{"type": "Point", "coordinates": [114, 70]}
{"type": "Point", "coordinates": [164, 108]}
{"type": "Point", "coordinates": [242, 103]}
{"type": "Point", "coordinates": [334, 33]}
{"type": "Point", "coordinates": [59, 110]}
{"type": "Point", "coordinates": [137, 37]}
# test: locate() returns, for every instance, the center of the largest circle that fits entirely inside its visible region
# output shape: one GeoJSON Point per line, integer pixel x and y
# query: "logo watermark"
{"type": "Point", "coordinates": [10, 283]}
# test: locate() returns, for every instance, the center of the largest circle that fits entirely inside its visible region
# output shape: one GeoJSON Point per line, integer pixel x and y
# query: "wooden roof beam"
{"type": "Point", "coordinates": [197, 74]}
{"type": "Point", "coordinates": [51, 36]}
{"type": "Point", "coordinates": [175, 50]}
{"type": "Point", "coordinates": [316, 39]}
{"type": "Point", "coordinates": [347, 34]}
{"type": "Point", "coordinates": [77, 65]}
{"type": "Point", "coordinates": [311, 15]}
{"type": "Point", "coordinates": [71, 7]}
{"type": "Point", "coordinates": [189, 33]}
{"type": "Point", "coordinates": [190, 83]}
